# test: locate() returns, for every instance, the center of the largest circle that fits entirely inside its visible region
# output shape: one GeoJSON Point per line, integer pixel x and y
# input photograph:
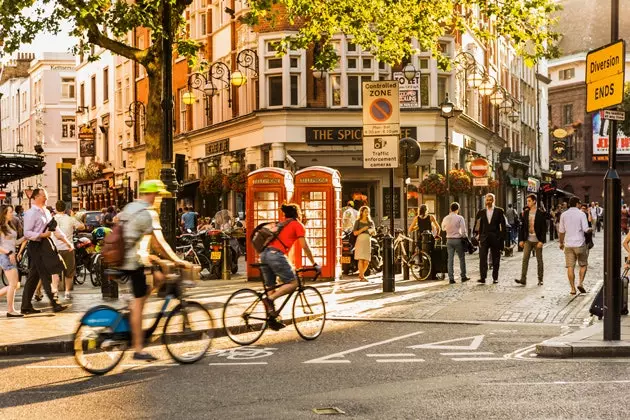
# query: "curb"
{"type": "Point", "coordinates": [578, 344]}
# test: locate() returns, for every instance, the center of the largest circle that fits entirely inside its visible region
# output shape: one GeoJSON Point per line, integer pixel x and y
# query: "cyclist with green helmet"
{"type": "Point", "coordinates": [139, 219]}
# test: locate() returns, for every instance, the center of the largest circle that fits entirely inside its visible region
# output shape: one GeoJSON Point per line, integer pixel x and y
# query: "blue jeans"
{"type": "Point", "coordinates": [452, 246]}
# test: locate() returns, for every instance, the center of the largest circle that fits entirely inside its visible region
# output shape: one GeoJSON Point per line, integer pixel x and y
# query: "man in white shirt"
{"type": "Point", "coordinates": [350, 215]}
{"type": "Point", "coordinates": [573, 225]}
{"type": "Point", "coordinates": [68, 225]}
{"type": "Point", "coordinates": [455, 227]}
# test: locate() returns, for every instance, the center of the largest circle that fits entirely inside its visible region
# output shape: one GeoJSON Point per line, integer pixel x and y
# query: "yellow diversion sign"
{"type": "Point", "coordinates": [605, 69]}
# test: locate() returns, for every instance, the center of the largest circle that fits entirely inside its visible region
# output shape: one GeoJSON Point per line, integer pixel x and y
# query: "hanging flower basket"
{"type": "Point", "coordinates": [213, 185]}
{"type": "Point", "coordinates": [433, 184]}
{"type": "Point", "coordinates": [493, 184]}
{"type": "Point", "coordinates": [461, 181]}
{"type": "Point", "coordinates": [89, 172]}
{"type": "Point", "coordinates": [238, 182]}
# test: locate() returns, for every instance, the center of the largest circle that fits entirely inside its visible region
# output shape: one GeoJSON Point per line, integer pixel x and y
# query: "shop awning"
{"type": "Point", "coordinates": [189, 188]}
{"type": "Point", "coordinates": [518, 182]}
{"type": "Point", "coordinates": [16, 166]}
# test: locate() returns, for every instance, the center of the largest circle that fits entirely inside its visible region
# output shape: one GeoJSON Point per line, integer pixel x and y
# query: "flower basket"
{"type": "Point", "coordinates": [461, 181]}
{"type": "Point", "coordinates": [213, 185]}
{"type": "Point", "coordinates": [433, 184]}
{"type": "Point", "coordinates": [89, 172]}
{"type": "Point", "coordinates": [493, 184]}
{"type": "Point", "coordinates": [238, 182]}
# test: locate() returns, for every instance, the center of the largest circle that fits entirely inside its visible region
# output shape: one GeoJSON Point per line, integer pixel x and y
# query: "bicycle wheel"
{"type": "Point", "coordinates": [420, 265]}
{"type": "Point", "coordinates": [188, 332]}
{"type": "Point", "coordinates": [204, 261]}
{"type": "Point", "coordinates": [97, 271]}
{"type": "Point", "coordinates": [96, 348]}
{"type": "Point", "coordinates": [244, 317]}
{"type": "Point", "coordinates": [309, 313]}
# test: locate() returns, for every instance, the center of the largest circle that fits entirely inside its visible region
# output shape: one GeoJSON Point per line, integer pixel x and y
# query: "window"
{"type": "Point", "coordinates": [442, 88]}
{"type": "Point", "coordinates": [335, 85]}
{"type": "Point", "coordinates": [67, 88]}
{"type": "Point", "coordinates": [284, 80]}
{"type": "Point", "coordinates": [567, 114]}
{"type": "Point", "coordinates": [183, 111]}
{"type": "Point", "coordinates": [105, 84]}
{"type": "Point", "coordinates": [275, 90]}
{"type": "Point", "coordinates": [203, 24]}
{"type": "Point", "coordinates": [93, 93]}
{"type": "Point", "coordinates": [68, 126]}
{"type": "Point", "coordinates": [82, 95]}
{"type": "Point", "coordinates": [119, 98]}
{"type": "Point", "coordinates": [567, 74]}
{"type": "Point", "coordinates": [355, 67]}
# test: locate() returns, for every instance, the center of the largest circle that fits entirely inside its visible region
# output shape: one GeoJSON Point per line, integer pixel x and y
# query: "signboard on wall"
{"type": "Point", "coordinates": [409, 91]}
{"type": "Point", "coordinates": [87, 140]}
{"type": "Point", "coordinates": [338, 136]}
{"type": "Point", "coordinates": [601, 128]}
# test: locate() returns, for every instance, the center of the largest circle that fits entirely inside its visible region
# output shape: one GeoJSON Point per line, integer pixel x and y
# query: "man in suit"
{"type": "Point", "coordinates": [532, 235]}
{"type": "Point", "coordinates": [491, 231]}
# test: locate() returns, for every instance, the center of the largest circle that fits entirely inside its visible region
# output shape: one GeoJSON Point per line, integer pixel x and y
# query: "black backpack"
{"type": "Point", "coordinates": [265, 233]}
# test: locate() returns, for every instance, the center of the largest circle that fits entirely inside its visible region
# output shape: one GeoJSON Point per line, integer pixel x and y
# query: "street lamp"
{"type": "Point", "coordinates": [514, 116]}
{"type": "Point", "coordinates": [446, 112]}
{"type": "Point", "coordinates": [212, 168]}
{"type": "Point", "coordinates": [409, 72]}
{"type": "Point", "coordinates": [559, 175]}
{"type": "Point", "coordinates": [235, 164]}
{"type": "Point", "coordinates": [246, 59]}
{"type": "Point", "coordinates": [137, 112]}
{"type": "Point", "coordinates": [29, 193]}
{"type": "Point", "coordinates": [487, 86]}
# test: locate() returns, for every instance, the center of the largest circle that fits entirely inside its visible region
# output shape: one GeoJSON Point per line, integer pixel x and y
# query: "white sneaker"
{"type": "Point", "coordinates": [67, 296]}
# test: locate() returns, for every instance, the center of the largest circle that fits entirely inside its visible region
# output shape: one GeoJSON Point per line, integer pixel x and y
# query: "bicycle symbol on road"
{"type": "Point", "coordinates": [244, 353]}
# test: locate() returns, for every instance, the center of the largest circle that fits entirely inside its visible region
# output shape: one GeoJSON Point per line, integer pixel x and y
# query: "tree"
{"type": "Point", "coordinates": [106, 23]}
{"type": "Point", "coordinates": [386, 26]}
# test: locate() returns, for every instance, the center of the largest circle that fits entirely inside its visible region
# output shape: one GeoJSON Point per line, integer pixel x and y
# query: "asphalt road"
{"type": "Point", "coordinates": [370, 370]}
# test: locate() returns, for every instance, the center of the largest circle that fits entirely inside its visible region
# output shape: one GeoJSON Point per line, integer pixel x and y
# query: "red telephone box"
{"type": "Point", "coordinates": [267, 189]}
{"type": "Point", "coordinates": [318, 192]}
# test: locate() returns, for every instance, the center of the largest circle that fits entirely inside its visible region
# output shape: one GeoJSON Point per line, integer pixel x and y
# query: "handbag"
{"type": "Point", "coordinates": [588, 238]}
{"type": "Point", "coordinates": [468, 246]}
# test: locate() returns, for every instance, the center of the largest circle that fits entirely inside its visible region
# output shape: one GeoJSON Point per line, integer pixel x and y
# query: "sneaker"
{"type": "Point", "coordinates": [59, 308]}
{"type": "Point", "coordinates": [143, 355]}
{"type": "Point", "coordinates": [275, 325]}
{"type": "Point", "coordinates": [67, 296]}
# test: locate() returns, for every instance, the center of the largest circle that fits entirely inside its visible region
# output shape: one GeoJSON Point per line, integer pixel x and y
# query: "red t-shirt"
{"type": "Point", "coordinates": [288, 235]}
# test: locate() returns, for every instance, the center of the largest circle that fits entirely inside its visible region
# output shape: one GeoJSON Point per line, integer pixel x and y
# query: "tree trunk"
{"type": "Point", "coordinates": [155, 121]}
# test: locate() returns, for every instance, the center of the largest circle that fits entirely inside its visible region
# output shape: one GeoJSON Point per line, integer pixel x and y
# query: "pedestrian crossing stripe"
{"type": "Point", "coordinates": [475, 342]}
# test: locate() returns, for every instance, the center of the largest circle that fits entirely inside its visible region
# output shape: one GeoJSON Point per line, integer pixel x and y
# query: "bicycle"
{"type": "Point", "coordinates": [104, 333]}
{"type": "Point", "coordinates": [245, 318]}
{"type": "Point", "coordinates": [419, 263]}
{"type": "Point", "coordinates": [188, 253]}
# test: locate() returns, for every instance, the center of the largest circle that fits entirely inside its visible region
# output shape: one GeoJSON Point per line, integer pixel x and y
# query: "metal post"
{"type": "Point", "coordinates": [612, 234]}
{"type": "Point", "coordinates": [388, 243]}
{"type": "Point", "coordinates": [404, 215]}
{"type": "Point", "coordinates": [167, 174]}
{"type": "Point", "coordinates": [226, 257]}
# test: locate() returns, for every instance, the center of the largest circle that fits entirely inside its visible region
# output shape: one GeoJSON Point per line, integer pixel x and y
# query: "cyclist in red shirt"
{"type": "Point", "coordinates": [277, 263]}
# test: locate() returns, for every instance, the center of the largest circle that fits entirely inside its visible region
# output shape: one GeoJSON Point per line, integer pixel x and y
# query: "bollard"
{"type": "Point", "coordinates": [388, 263]}
{"type": "Point", "coordinates": [109, 288]}
{"type": "Point", "coordinates": [227, 274]}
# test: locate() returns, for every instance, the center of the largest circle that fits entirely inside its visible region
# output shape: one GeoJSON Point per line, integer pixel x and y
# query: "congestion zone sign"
{"type": "Point", "coordinates": [605, 69]}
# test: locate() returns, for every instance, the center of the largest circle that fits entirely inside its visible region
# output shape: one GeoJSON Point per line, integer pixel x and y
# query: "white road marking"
{"type": "Point", "coordinates": [237, 363]}
{"type": "Point", "coordinates": [624, 381]}
{"type": "Point", "coordinates": [330, 358]}
{"type": "Point", "coordinates": [441, 345]}
{"type": "Point", "coordinates": [478, 353]}
{"type": "Point", "coordinates": [54, 367]}
{"type": "Point", "coordinates": [391, 355]}
{"type": "Point", "coordinates": [398, 360]}
{"type": "Point", "coordinates": [473, 359]}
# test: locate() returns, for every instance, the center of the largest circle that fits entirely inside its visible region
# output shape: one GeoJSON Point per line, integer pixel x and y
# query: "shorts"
{"type": "Point", "coordinates": [277, 266]}
{"type": "Point", "coordinates": [573, 254]}
{"type": "Point", "coordinates": [69, 260]}
{"type": "Point", "coordinates": [5, 263]}
{"type": "Point", "coordinates": [138, 279]}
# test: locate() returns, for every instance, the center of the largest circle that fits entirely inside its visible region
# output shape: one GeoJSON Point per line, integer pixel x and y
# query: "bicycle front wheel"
{"type": "Point", "coordinates": [309, 313]}
{"type": "Point", "coordinates": [97, 349]}
{"type": "Point", "coordinates": [188, 332]}
{"type": "Point", "coordinates": [97, 270]}
{"type": "Point", "coordinates": [244, 317]}
{"type": "Point", "coordinates": [420, 265]}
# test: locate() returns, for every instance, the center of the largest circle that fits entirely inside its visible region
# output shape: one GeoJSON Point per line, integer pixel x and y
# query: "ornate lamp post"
{"type": "Point", "coordinates": [137, 112]}
{"type": "Point", "coordinates": [447, 112]}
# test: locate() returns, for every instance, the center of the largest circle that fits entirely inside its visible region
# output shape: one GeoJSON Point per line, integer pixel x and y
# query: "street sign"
{"type": "Point", "coordinates": [380, 152]}
{"type": "Point", "coordinates": [479, 167]}
{"type": "Point", "coordinates": [610, 114]}
{"type": "Point", "coordinates": [381, 108]}
{"type": "Point", "coordinates": [480, 182]}
{"type": "Point", "coordinates": [3, 195]}
{"type": "Point", "coordinates": [605, 69]}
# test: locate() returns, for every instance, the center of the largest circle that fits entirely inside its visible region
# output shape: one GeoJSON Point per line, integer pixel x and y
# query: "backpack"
{"type": "Point", "coordinates": [265, 233]}
{"type": "Point", "coordinates": [113, 250]}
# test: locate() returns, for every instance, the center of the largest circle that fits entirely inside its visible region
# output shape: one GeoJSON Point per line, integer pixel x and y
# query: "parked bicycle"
{"type": "Point", "coordinates": [419, 262]}
{"type": "Point", "coordinates": [245, 318]}
{"type": "Point", "coordinates": [104, 333]}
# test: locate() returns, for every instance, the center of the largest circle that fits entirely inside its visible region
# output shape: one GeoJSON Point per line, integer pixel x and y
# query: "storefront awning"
{"type": "Point", "coordinates": [16, 166]}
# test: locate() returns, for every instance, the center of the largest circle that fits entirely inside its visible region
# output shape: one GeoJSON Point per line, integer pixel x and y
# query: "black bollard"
{"type": "Point", "coordinates": [388, 263]}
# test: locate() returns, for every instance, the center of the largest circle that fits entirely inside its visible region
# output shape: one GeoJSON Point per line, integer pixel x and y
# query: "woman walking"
{"type": "Point", "coordinates": [363, 229]}
{"type": "Point", "coordinates": [8, 243]}
{"type": "Point", "coordinates": [624, 219]}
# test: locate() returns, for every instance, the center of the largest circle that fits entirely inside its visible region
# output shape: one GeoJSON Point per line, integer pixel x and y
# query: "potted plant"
{"type": "Point", "coordinates": [433, 184]}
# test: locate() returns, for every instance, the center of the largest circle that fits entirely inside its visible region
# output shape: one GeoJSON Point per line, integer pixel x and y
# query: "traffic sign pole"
{"type": "Point", "coordinates": [612, 234]}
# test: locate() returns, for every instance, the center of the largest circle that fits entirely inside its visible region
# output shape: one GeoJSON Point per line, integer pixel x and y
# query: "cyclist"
{"type": "Point", "coordinates": [140, 219]}
{"type": "Point", "coordinates": [277, 263]}
{"type": "Point", "coordinates": [98, 236]}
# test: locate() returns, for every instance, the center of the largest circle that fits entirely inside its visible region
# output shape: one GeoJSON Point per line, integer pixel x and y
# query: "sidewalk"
{"type": "Point", "coordinates": [427, 301]}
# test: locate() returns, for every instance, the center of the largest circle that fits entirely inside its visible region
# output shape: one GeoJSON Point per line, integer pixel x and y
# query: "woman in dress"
{"type": "Point", "coordinates": [363, 229]}
{"type": "Point", "coordinates": [8, 262]}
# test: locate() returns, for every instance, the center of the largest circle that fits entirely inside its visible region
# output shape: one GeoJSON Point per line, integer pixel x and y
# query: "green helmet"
{"type": "Point", "coordinates": [152, 186]}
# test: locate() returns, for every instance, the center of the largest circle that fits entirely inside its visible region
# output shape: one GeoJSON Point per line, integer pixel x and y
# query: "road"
{"type": "Point", "coordinates": [369, 370]}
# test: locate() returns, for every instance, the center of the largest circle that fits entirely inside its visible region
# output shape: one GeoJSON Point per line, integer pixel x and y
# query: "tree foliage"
{"type": "Point", "coordinates": [385, 27]}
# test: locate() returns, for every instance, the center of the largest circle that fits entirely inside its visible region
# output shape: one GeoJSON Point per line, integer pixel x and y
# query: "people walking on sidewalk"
{"type": "Point", "coordinates": [8, 243]}
{"type": "Point", "coordinates": [68, 225]}
{"type": "Point", "coordinates": [455, 227]}
{"type": "Point", "coordinates": [350, 215]}
{"type": "Point", "coordinates": [572, 229]}
{"type": "Point", "coordinates": [363, 229]}
{"type": "Point", "coordinates": [532, 236]}
{"type": "Point", "coordinates": [490, 229]}
{"type": "Point", "coordinates": [513, 220]}
{"type": "Point", "coordinates": [624, 219]}
{"type": "Point", "coordinates": [38, 230]}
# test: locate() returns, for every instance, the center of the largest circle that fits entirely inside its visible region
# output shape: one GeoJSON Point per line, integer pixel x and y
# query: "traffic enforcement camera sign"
{"type": "Point", "coordinates": [381, 108]}
{"type": "Point", "coordinates": [605, 69]}
{"type": "Point", "coordinates": [380, 152]}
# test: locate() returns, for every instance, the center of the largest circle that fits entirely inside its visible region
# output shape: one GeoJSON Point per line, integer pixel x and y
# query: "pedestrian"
{"type": "Point", "coordinates": [18, 220]}
{"type": "Point", "coordinates": [425, 222]}
{"type": "Point", "coordinates": [8, 243]}
{"type": "Point", "coordinates": [68, 225]}
{"type": "Point", "coordinates": [600, 216]}
{"type": "Point", "coordinates": [551, 220]}
{"type": "Point", "coordinates": [108, 219]}
{"type": "Point", "coordinates": [455, 227]}
{"type": "Point", "coordinates": [189, 220]}
{"type": "Point", "coordinates": [38, 229]}
{"type": "Point", "coordinates": [624, 219]}
{"type": "Point", "coordinates": [350, 215]}
{"type": "Point", "coordinates": [532, 235]}
{"type": "Point", "coordinates": [593, 211]}
{"type": "Point", "coordinates": [573, 227]}
{"type": "Point", "coordinates": [513, 221]}
{"type": "Point", "coordinates": [490, 230]}
{"type": "Point", "coordinates": [363, 229]}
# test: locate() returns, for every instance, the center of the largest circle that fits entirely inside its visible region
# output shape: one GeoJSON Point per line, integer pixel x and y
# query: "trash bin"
{"type": "Point", "coordinates": [427, 241]}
